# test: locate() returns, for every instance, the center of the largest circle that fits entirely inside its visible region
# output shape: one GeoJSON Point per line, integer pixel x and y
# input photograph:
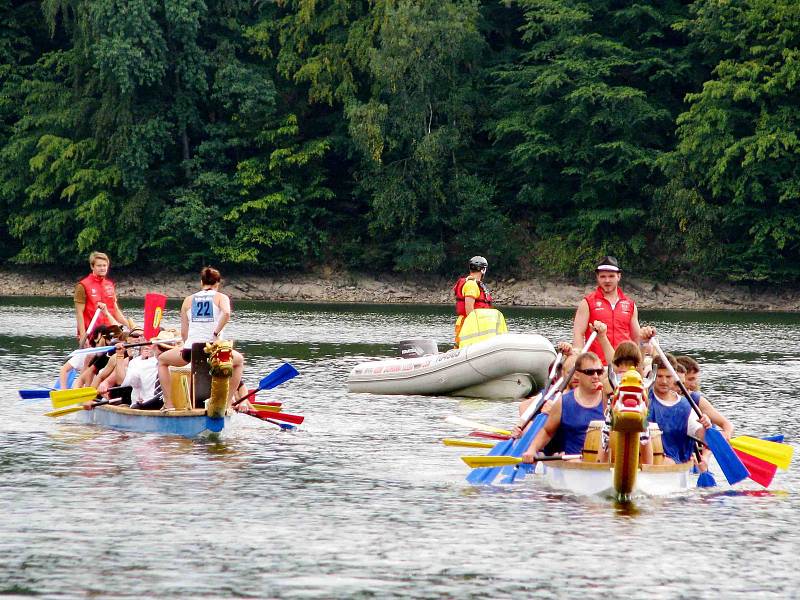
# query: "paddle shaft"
{"type": "Point", "coordinates": [100, 349]}
{"type": "Point", "coordinates": [89, 329]}
{"type": "Point", "coordinates": [681, 385]}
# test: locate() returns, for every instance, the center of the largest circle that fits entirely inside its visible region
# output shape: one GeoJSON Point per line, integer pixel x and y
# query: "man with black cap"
{"type": "Point", "coordinates": [609, 305]}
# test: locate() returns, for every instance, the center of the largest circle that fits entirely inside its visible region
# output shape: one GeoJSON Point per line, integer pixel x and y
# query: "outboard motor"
{"type": "Point", "coordinates": [417, 348]}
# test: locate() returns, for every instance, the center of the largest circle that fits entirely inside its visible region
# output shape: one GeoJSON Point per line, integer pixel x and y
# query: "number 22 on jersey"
{"type": "Point", "coordinates": [202, 310]}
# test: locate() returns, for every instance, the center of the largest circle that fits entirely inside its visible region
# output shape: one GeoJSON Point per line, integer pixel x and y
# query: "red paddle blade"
{"type": "Point", "coordinates": [761, 471]}
{"type": "Point", "coordinates": [277, 416]}
{"type": "Point", "coordinates": [491, 436]}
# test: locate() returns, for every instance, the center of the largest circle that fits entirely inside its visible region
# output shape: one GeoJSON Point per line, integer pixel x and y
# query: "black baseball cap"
{"type": "Point", "coordinates": [608, 263]}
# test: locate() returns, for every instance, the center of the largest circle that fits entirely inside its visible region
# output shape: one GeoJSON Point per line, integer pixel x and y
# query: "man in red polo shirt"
{"type": "Point", "coordinates": [97, 291]}
{"type": "Point", "coordinates": [609, 305]}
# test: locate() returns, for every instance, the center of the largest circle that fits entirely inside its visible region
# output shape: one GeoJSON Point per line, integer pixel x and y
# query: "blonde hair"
{"type": "Point", "coordinates": [101, 255]}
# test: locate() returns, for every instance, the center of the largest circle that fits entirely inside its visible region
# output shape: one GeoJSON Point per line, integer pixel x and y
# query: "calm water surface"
{"type": "Point", "coordinates": [363, 500]}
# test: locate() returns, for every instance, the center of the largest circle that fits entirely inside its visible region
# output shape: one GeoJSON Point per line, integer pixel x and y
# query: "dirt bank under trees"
{"type": "Point", "coordinates": [333, 287]}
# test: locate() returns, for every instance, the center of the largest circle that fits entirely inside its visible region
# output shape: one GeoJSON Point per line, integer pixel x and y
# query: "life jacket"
{"type": "Point", "coordinates": [618, 319]}
{"type": "Point", "coordinates": [482, 301]}
{"type": "Point", "coordinates": [98, 289]}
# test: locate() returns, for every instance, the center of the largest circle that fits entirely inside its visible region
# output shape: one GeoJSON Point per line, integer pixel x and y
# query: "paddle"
{"type": "Point", "coordinates": [488, 436]}
{"type": "Point", "coordinates": [61, 398]}
{"type": "Point", "coordinates": [99, 349]}
{"type": "Point", "coordinates": [273, 417]}
{"type": "Point", "coordinates": [483, 461]}
{"type": "Point", "coordinates": [760, 470]}
{"type": "Point", "coordinates": [706, 478]}
{"type": "Point", "coordinates": [771, 452]}
{"type": "Point", "coordinates": [283, 373]}
{"type": "Point", "coordinates": [475, 425]}
{"type": "Point", "coordinates": [34, 394]}
{"type": "Point", "coordinates": [273, 406]}
{"type": "Point", "coordinates": [468, 443]}
{"type": "Point", "coordinates": [732, 467]}
{"type": "Point", "coordinates": [481, 476]}
{"type": "Point", "coordinates": [89, 329]}
{"type": "Point", "coordinates": [522, 444]}
{"type": "Point", "coordinates": [278, 416]}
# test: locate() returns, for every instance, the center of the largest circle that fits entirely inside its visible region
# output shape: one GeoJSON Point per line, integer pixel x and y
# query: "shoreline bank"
{"type": "Point", "coordinates": [393, 289]}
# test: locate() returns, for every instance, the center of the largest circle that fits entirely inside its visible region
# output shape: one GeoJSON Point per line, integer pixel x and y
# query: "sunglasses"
{"type": "Point", "coordinates": [591, 372]}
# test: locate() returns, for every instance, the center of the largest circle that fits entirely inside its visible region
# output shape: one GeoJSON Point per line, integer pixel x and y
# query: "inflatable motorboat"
{"type": "Point", "coordinates": [509, 365]}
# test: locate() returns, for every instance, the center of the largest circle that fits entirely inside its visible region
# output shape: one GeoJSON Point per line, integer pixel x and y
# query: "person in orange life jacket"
{"type": "Point", "coordinates": [204, 316]}
{"type": "Point", "coordinates": [674, 415]}
{"type": "Point", "coordinates": [471, 293]}
{"type": "Point", "coordinates": [570, 415]}
{"type": "Point", "coordinates": [95, 291]}
{"type": "Point", "coordinates": [609, 305]}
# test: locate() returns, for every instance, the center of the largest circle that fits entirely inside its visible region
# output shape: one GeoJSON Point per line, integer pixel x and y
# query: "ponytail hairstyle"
{"type": "Point", "coordinates": [210, 276]}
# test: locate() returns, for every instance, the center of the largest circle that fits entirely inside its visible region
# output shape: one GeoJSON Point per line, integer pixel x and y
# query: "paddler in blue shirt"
{"type": "Point", "coordinates": [570, 415]}
{"type": "Point", "coordinates": [679, 425]}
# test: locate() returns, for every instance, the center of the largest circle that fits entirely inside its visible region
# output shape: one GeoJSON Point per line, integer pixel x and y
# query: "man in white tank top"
{"type": "Point", "coordinates": [204, 316]}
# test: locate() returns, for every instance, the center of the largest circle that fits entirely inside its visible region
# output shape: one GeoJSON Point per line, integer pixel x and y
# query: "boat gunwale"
{"type": "Point", "coordinates": [579, 465]}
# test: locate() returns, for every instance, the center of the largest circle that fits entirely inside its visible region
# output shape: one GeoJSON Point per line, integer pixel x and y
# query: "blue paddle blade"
{"type": "Point", "coordinates": [774, 438]}
{"type": "Point", "coordinates": [706, 480]}
{"type": "Point", "coordinates": [283, 373]}
{"type": "Point", "coordinates": [475, 476]}
{"type": "Point", "coordinates": [519, 448]}
{"type": "Point", "coordinates": [33, 394]}
{"type": "Point", "coordinates": [732, 467]}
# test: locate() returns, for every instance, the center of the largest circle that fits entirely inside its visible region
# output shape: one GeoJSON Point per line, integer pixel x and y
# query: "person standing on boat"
{"type": "Point", "coordinates": [471, 293]}
{"type": "Point", "coordinates": [609, 305]}
{"type": "Point", "coordinates": [679, 425]}
{"type": "Point", "coordinates": [97, 291]}
{"type": "Point", "coordinates": [204, 316]}
{"type": "Point", "coordinates": [570, 416]}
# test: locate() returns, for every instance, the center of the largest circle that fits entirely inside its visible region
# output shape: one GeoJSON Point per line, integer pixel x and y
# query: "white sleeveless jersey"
{"type": "Point", "coordinates": [204, 316]}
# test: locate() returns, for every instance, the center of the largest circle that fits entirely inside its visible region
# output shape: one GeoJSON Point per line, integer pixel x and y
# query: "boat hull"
{"type": "Point", "coordinates": [505, 366]}
{"type": "Point", "coordinates": [589, 479]}
{"type": "Point", "coordinates": [186, 423]}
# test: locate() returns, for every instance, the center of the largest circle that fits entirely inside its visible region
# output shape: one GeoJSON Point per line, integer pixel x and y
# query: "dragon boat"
{"type": "Point", "coordinates": [199, 393]}
{"type": "Point", "coordinates": [490, 363]}
{"type": "Point", "coordinates": [624, 476]}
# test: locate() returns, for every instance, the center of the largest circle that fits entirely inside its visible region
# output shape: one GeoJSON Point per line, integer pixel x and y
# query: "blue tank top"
{"type": "Point", "coordinates": [672, 421]}
{"type": "Point", "coordinates": [575, 421]}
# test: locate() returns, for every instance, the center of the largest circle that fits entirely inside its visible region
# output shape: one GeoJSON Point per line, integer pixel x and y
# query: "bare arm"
{"type": "Point", "coordinates": [636, 331]}
{"type": "Point", "coordinates": [580, 324]}
{"type": "Point", "coordinates": [716, 417]}
{"type": "Point", "coordinates": [224, 304]}
{"type": "Point", "coordinates": [117, 314]}
{"type": "Point", "coordinates": [185, 317]}
{"type": "Point", "coordinates": [546, 433]}
{"type": "Point", "coordinates": [602, 337]}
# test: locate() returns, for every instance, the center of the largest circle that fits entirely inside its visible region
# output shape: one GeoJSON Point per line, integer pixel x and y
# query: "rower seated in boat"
{"type": "Point", "coordinates": [679, 425]}
{"type": "Point", "coordinates": [571, 414]}
{"type": "Point", "coordinates": [204, 316]}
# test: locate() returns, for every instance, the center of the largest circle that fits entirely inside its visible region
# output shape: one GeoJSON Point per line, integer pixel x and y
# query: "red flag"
{"type": "Point", "coordinates": [154, 305]}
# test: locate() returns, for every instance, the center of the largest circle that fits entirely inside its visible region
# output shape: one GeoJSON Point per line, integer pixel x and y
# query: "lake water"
{"type": "Point", "coordinates": [363, 500]}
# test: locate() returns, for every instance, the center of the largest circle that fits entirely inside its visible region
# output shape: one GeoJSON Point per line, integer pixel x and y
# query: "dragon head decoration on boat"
{"type": "Point", "coordinates": [220, 354]}
{"type": "Point", "coordinates": [628, 407]}
{"type": "Point", "coordinates": [219, 358]}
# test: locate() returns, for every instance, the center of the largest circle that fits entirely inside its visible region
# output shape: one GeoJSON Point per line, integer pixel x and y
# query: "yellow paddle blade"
{"type": "Point", "coordinates": [61, 398]}
{"type": "Point", "coordinates": [257, 406]}
{"type": "Point", "coordinates": [468, 443]}
{"type": "Point", "coordinates": [777, 454]}
{"type": "Point", "coordinates": [475, 462]}
{"type": "Point", "coordinates": [475, 425]}
{"type": "Point", "coordinates": [64, 411]}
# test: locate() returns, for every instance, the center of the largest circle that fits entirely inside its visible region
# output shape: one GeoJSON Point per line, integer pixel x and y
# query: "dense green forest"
{"type": "Point", "coordinates": [403, 135]}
